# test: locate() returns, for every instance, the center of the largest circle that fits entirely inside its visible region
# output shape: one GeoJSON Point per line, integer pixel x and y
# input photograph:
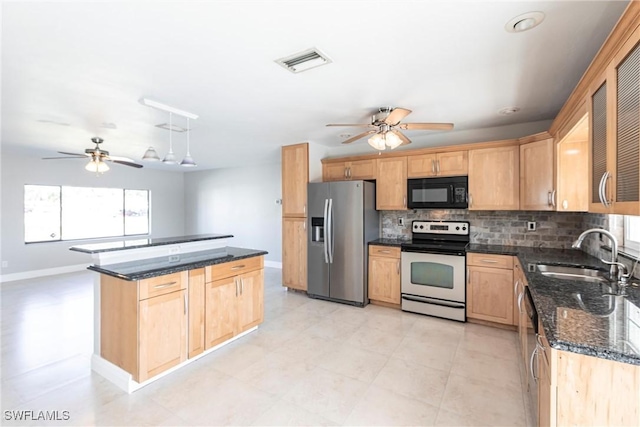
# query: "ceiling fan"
{"type": "Point", "coordinates": [97, 157]}
{"type": "Point", "coordinates": [386, 126]}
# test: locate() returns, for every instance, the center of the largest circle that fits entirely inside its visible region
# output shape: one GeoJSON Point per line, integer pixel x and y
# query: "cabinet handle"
{"type": "Point", "coordinates": [349, 172]}
{"type": "Point", "coordinates": [384, 252]}
{"type": "Point", "coordinates": [433, 166]}
{"type": "Point", "coordinates": [489, 261]}
{"type": "Point", "coordinates": [398, 267]}
{"type": "Point", "coordinates": [236, 282]}
{"type": "Point", "coordinates": [165, 285]}
{"type": "Point", "coordinates": [607, 175]}
{"type": "Point", "coordinates": [520, 298]}
{"type": "Point", "coordinates": [304, 208]}
{"type": "Point", "coordinates": [469, 199]}
{"type": "Point", "coordinates": [468, 277]}
{"type": "Point", "coordinates": [238, 267]}
{"type": "Point", "coordinates": [549, 199]}
{"type": "Point", "coordinates": [553, 198]}
{"type": "Point", "coordinates": [533, 355]}
{"type": "Point", "coordinates": [304, 225]}
{"type": "Point", "coordinates": [515, 286]}
{"type": "Point", "coordinates": [438, 166]}
{"type": "Point", "coordinates": [346, 172]}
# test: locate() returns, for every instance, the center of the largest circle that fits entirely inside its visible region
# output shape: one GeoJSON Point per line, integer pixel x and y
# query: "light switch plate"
{"type": "Point", "coordinates": [531, 226]}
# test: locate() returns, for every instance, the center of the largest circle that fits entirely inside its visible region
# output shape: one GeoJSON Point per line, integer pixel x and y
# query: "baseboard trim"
{"type": "Point", "coordinates": [41, 273]}
{"type": "Point", "coordinates": [273, 264]}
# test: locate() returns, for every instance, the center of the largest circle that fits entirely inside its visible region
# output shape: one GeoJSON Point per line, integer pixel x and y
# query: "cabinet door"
{"type": "Point", "coordinates": [536, 176]}
{"type": "Point", "coordinates": [391, 184]}
{"type": "Point", "coordinates": [573, 169]}
{"type": "Point", "coordinates": [600, 164]}
{"type": "Point", "coordinates": [494, 179]}
{"type": "Point", "coordinates": [221, 311]}
{"type": "Point", "coordinates": [421, 166]}
{"type": "Point", "coordinates": [544, 393]}
{"type": "Point", "coordinates": [384, 279]}
{"type": "Point", "coordinates": [250, 300]}
{"type": "Point", "coordinates": [490, 294]}
{"type": "Point", "coordinates": [362, 169]}
{"type": "Point", "coordinates": [295, 177]}
{"type": "Point", "coordinates": [454, 163]}
{"type": "Point", "coordinates": [334, 172]}
{"type": "Point", "coordinates": [294, 253]}
{"type": "Point", "coordinates": [163, 334]}
{"type": "Point", "coordinates": [196, 312]}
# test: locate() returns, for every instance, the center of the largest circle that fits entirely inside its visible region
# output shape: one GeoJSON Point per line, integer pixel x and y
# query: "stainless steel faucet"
{"type": "Point", "coordinates": [614, 264]}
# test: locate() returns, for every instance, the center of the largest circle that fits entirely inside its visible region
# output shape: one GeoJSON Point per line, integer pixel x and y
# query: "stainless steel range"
{"type": "Point", "coordinates": [433, 278]}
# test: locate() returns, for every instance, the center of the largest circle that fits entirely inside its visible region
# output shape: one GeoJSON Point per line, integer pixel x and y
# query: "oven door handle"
{"type": "Point", "coordinates": [435, 252]}
{"type": "Point", "coordinates": [432, 301]}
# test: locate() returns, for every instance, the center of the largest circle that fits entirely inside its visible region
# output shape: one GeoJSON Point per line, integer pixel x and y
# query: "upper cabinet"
{"type": "Point", "coordinates": [572, 160]}
{"type": "Point", "coordinates": [391, 185]}
{"type": "Point", "coordinates": [536, 176]}
{"type": "Point", "coordinates": [453, 163]}
{"type": "Point", "coordinates": [494, 178]}
{"type": "Point", "coordinates": [614, 105]}
{"type": "Point", "coordinates": [295, 176]}
{"type": "Point", "coordinates": [346, 171]}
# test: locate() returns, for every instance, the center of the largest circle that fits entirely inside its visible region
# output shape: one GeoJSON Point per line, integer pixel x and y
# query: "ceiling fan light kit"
{"type": "Point", "coordinates": [170, 158]}
{"type": "Point", "coordinates": [97, 166]}
{"type": "Point", "coordinates": [385, 125]}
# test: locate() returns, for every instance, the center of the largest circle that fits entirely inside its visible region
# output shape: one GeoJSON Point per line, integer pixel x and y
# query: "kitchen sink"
{"type": "Point", "coordinates": [573, 273]}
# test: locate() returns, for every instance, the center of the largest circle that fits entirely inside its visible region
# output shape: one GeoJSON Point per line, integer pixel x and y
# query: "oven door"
{"type": "Point", "coordinates": [434, 275]}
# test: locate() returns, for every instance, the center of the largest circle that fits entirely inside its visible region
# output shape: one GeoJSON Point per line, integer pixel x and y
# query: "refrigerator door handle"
{"type": "Point", "coordinates": [325, 244]}
{"type": "Point", "coordinates": [330, 231]}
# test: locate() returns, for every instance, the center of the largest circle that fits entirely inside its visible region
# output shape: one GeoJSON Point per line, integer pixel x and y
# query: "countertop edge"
{"type": "Point", "coordinates": [178, 240]}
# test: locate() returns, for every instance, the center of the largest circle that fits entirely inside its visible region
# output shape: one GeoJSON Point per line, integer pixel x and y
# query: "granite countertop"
{"type": "Point", "coordinates": [389, 242]}
{"type": "Point", "coordinates": [152, 267]}
{"type": "Point", "coordinates": [579, 316]}
{"type": "Point", "coordinates": [144, 243]}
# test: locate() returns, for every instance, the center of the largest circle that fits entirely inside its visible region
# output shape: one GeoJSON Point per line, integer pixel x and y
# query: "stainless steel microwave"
{"type": "Point", "coordinates": [438, 193]}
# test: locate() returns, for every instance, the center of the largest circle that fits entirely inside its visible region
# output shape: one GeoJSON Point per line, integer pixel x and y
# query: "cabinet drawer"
{"type": "Point", "coordinates": [490, 260]}
{"type": "Point", "coordinates": [386, 251]}
{"type": "Point", "coordinates": [162, 284]}
{"type": "Point", "coordinates": [232, 268]}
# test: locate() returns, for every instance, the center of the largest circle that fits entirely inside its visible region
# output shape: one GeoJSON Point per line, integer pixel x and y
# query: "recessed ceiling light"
{"type": "Point", "coordinates": [507, 111]}
{"type": "Point", "coordinates": [524, 22]}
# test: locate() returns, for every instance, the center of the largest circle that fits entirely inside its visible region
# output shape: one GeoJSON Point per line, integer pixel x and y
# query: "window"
{"type": "Point", "coordinates": [632, 232]}
{"type": "Point", "coordinates": [54, 213]}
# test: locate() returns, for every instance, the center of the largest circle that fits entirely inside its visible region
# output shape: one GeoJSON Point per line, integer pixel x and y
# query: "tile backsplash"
{"type": "Point", "coordinates": [553, 229]}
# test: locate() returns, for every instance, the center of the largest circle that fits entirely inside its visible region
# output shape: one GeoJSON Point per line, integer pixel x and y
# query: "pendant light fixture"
{"type": "Point", "coordinates": [170, 158]}
{"type": "Point", "coordinates": [151, 154]}
{"type": "Point", "coordinates": [188, 161]}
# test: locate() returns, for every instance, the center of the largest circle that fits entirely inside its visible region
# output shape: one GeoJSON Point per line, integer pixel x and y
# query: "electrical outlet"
{"type": "Point", "coordinates": [531, 226]}
{"type": "Point", "coordinates": [401, 222]}
{"type": "Point", "coordinates": [174, 250]}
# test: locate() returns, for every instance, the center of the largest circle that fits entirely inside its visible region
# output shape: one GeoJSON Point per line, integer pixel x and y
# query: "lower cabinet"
{"type": "Point", "coordinates": [294, 253]}
{"type": "Point", "coordinates": [149, 326]}
{"type": "Point", "coordinates": [490, 288]}
{"type": "Point", "coordinates": [384, 274]}
{"type": "Point", "coordinates": [234, 303]}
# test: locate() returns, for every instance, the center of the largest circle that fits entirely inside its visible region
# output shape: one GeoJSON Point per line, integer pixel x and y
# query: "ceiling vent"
{"type": "Point", "coordinates": [305, 60]}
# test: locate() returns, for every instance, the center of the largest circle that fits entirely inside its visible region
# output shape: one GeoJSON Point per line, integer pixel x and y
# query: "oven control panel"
{"type": "Point", "coordinates": [460, 228]}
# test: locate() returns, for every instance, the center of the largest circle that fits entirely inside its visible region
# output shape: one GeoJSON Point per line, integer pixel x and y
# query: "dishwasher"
{"type": "Point", "coordinates": [532, 353]}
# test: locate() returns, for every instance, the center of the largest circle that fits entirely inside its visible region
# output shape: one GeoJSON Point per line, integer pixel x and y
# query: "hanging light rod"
{"type": "Point", "coordinates": [163, 107]}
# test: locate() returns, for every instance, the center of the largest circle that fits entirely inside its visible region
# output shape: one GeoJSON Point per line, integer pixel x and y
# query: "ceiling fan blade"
{"type": "Point", "coordinates": [121, 159]}
{"type": "Point", "coordinates": [122, 162]}
{"type": "Point", "coordinates": [357, 137]}
{"type": "Point", "coordinates": [66, 157]}
{"type": "Point", "coordinates": [402, 136]}
{"type": "Point", "coordinates": [396, 115]}
{"type": "Point", "coordinates": [74, 154]}
{"type": "Point", "coordinates": [426, 126]}
{"type": "Point", "coordinates": [363, 125]}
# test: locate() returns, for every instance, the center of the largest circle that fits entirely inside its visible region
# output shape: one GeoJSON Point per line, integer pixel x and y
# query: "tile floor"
{"type": "Point", "coordinates": [310, 363]}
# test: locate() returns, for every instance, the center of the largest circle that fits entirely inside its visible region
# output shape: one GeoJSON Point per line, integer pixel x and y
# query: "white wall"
{"type": "Point", "coordinates": [167, 206]}
{"type": "Point", "coordinates": [240, 201]}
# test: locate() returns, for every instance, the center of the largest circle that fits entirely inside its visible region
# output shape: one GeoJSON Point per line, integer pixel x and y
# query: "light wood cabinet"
{"type": "Point", "coordinates": [490, 290]}
{"type": "Point", "coordinates": [295, 176]}
{"type": "Point", "coordinates": [143, 324]}
{"type": "Point", "coordinates": [391, 184]}
{"type": "Point", "coordinates": [453, 163]}
{"type": "Point", "coordinates": [572, 182]}
{"type": "Point", "coordinates": [196, 311]}
{"type": "Point", "coordinates": [294, 253]}
{"type": "Point", "coordinates": [163, 334]}
{"type": "Point", "coordinates": [346, 171]}
{"type": "Point", "coordinates": [536, 176]}
{"type": "Point", "coordinates": [494, 182]}
{"type": "Point", "coordinates": [384, 274]}
{"type": "Point", "coordinates": [234, 303]}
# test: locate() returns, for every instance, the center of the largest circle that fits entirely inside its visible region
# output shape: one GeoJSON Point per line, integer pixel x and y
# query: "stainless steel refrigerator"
{"type": "Point", "coordinates": [342, 219]}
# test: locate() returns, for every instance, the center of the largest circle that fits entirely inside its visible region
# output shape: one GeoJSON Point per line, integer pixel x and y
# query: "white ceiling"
{"type": "Point", "coordinates": [71, 69]}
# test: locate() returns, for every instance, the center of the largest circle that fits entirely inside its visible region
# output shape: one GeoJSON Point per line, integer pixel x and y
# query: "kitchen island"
{"type": "Point", "coordinates": [164, 303]}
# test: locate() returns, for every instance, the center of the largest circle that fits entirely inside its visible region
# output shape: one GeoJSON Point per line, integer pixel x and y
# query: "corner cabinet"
{"type": "Point", "coordinates": [494, 179]}
{"type": "Point", "coordinates": [384, 274]}
{"type": "Point", "coordinates": [295, 178]}
{"type": "Point", "coordinates": [391, 184]}
{"type": "Point", "coordinates": [537, 191]}
{"type": "Point", "coordinates": [614, 105]}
